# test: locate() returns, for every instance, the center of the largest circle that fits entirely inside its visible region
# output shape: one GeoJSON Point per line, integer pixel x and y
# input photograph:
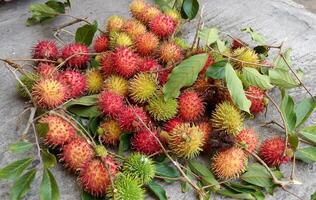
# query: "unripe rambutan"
{"type": "Point", "coordinates": [46, 70]}
{"type": "Point", "coordinates": [133, 118]}
{"type": "Point", "coordinates": [137, 7]}
{"type": "Point", "coordinates": [139, 167]}
{"type": "Point", "coordinates": [206, 129]}
{"type": "Point", "coordinates": [110, 131]}
{"type": "Point", "coordinates": [126, 187]}
{"type": "Point", "coordinates": [94, 177]}
{"type": "Point", "coordinates": [227, 117]}
{"type": "Point", "coordinates": [133, 28]}
{"type": "Point", "coordinates": [247, 55]}
{"type": "Point", "coordinates": [169, 125]}
{"type": "Point", "coordinates": [101, 43]}
{"type": "Point", "coordinates": [272, 151]}
{"type": "Point", "coordinates": [248, 139]}
{"type": "Point", "coordinates": [59, 132]}
{"type": "Point", "coordinates": [75, 81]}
{"type": "Point", "coordinates": [94, 81]}
{"type": "Point", "coordinates": [229, 163]}
{"type": "Point", "coordinates": [186, 141]}
{"type": "Point", "coordinates": [110, 103]}
{"type": "Point", "coordinates": [77, 152]}
{"type": "Point", "coordinates": [148, 64]}
{"type": "Point", "coordinates": [191, 106]}
{"type": "Point", "coordinates": [162, 110]}
{"type": "Point", "coordinates": [162, 25]}
{"type": "Point", "coordinates": [28, 80]}
{"type": "Point", "coordinates": [126, 62]}
{"type": "Point", "coordinates": [169, 52]}
{"type": "Point", "coordinates": [49, 93]}
{"type": "Point", "coordinates": [256, 96]}
{"type": "Point", "coordinates": [143, 87]}
{"type": "Point", "coordinates": [120, 39]}
{"type": "Point", "coordinates": [116, 84]}
{"type": "Point", "coordinates": [78, 60]}
{"type": "Point", "coordinates": [45, 50]}
{"type": "Point", "coordinates": [150, 12]}
{"type": "Point", "coordinates": [146, 43]}
{"type": "Point", "coordinates": [114, 23]}
{"type": "Point", "coordinates": [146, 142]}
{"type": "Point", "coordinates": [107, 63]}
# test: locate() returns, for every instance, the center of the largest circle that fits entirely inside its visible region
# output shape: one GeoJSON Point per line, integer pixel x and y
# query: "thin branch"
{"type": "Point", "coordinates": [293, 194]}
{"type": "Point", "coordinates": [83, 20]}
{"type": "Point", "coordinates": [197, 28]}
{"type": "Point", "coordinates": [273, 122]}
{"type": "Point", "coordinates": [33, 111]}
{"type": "Point", "coordinates": [170, 178]}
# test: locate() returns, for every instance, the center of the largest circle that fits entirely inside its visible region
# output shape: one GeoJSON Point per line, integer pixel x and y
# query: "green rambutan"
{"type": "Point", "coordinates": [169, 52]}
{"type": "Point", "coordinates": [227, 117]}
{"type": "Point", "coordinates": [94, 81]}
{"type": "Point", "coordinates": [191, 106]}
{"type": "Point", "coordinates": [133, 28]}
{"type": "Point", "coordinates": [248, 139]}
{"type": "Point", "coordinates": [246, 57]}
{"type": "Point", "coordinates": [116, 84]}
{"type": "Point", "coordinates": [162, 109]}
{"type": "Point", "coordinates": [110, 131]}
{"type": "Point", "coordinates": [143, 87]}
{"type": "Point", "coordinates": [114, 23]}
{"type": "Point", "coordinates": [146, 43]}
{"type": "Point", "coordinates": [28, 81]}
{"type": "Point", "coordinates": [120, 39]}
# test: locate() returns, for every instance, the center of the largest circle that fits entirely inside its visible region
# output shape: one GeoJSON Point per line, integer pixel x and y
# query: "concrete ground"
{"type": "Point", "coordinates": [276, 19]}
{"type": "Point", "coordinates": [309, 4]}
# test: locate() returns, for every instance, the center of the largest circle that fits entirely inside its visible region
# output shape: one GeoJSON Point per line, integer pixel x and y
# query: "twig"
{"type": "Point", "coordinates": [272, 122]}
{"type": "Point", "coordinates": [170, 178]}
{"type": "Point", "coordinates": [198, 28]}
{"type": "Point", "coordinates": [76, 54]}
{"type": "Point", "coordinates": [286, 190]}
{"type": "Point", "coordinates": [83, 20]}
{"type": "Point", "coordinates": [33, 110]}
{"type": "Point", "coordinates": [306, 142]}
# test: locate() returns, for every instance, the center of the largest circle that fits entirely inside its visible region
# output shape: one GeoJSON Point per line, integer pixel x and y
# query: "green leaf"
{"type": "Point", "coordinates": [282, 78]}
{"type": "Point", "coordinates": [307, 154]}
{"type": "Point", "coordinates": [293, 140]}
{"type": "Point", "coordinates": [20, 147]}
{"type": "Point", "coordinates": [217, 70]}
{"type": "Point", "coordinates": [164, 5]}
{"type": "Point", "coordinates": [22, 185]}
{"type": "Point", "coordinates": [49, 159]}
{"type": "Point", "coordinates": [309, 133]}
{"type": "Point", "coordinates": [56, 5]}
{"type": "Point", "coordinates": [15, 169]}
{"type": "Point", "coordinates": [158, 190]}
{"type": "Point", "coordinates": [221, 46]}
{"type": "Point", "coordinates": [236, 89]}
{"type": "Point", "coordinates": [124, 143]}
{"type": "Point", "coordinates": [87, 196]}
{"type": "Point", "coordinates": [256, 37]}
{"type": "Point", "coordinates": [303, 110]}
{"type": "Point", "coordinates": [48, 188]}
{"type": "Point", "coordinates": [183, 75]}
{"type": "Point", "coordinates": [83, 101]}
{"type": "Point", "coordinates": [190, 8]}
{"type": "Point", "coordinates": [208, 35]}
{"type": "Point", "coordinates": [253, 77]}
{"type": "Point", "coordinates": [163, 169]}
{"type": "Point", "coordinates": [85, 111]}
{"type": "Point", "coordinates": [85, 34]}
{"type": "Point", "coordinates": [206, 175]}
{"type": "Point", "coordinates": [279, 62]}
{"type": "Point", "coordinates": [287, 108]}
{"type": "Point", "coordinates": [232, 194]}
{"type": "Point", "coordinates": [42, 129]}
{"type": "Point", "coordinates": [313, 196]}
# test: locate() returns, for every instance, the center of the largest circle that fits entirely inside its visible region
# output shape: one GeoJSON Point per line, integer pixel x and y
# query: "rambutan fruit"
{"type": "Point", "coordinates": [120, 39]}
{"type": "Point", "coordinates": [111, 165]}
{"type": "Point", "coordinates": [45, 50]}
{"type": "Point", "coordinates": [246, 57]}
{"type": "Point", "coordinates": [221, 92]}
{"type": "Point", "coordinates": [137, 7]}
{"type": "Point", "coordinates": [229, 163]}
{"type": "Point", "coordinates": [133, 28]}
{"type": "Point", "coordinates": [114, 23]}
{"type": "Point", "coordinates": [248, 139]}
{"type": "Point", "coordinates": [150, 12]}
{"type": "Point", "coordinates": [46, 70]}
{"type": "Point", "coordinates": [148, 64]}
{"type": "Point", "coordinates": [256, 96]}
{"type": "Point", "coordinates": [175, 16]}
{"type": "Point", "coordinates": [107, 63]}
{"type": "Point", "coordinates": [78, 54]}
{"type": "Point", "coordinates": [169, 125]}
{"type": "Point", "coordinates": [49, 93]}
{"type": "Point", "coordinates": [110, 131]}
{"type": "Point", "coordinates": [163, 76]}
{"type": "Point", "coordinates": [191, 106]}
{"type": "Point", "coordinates": [133, 118]}
{"type": "Point", "coordinates": [117, 85]}
{"type": "Point", "coordinates": [146, 43]}
{"type": "Point", "coordinates": [272, 151]}
{"type": "Point", "coordinates": [169, 52]}
{"type": "Point", "coordinates": [28, 80]}
{"type": "Point", "coordinates": [59, 132]}
{"type": "Point", "coordinates": [126, 62]}
{"type": "Point", "coordinates": [110, 103]}
{"type": "Point", "coordinates": [77, 152]}
{"type": "Point", "coordinates": [186, 141]}
{"type": "Point", "coordinates": [206, 129]}
{"type": "Point", "coordinates": [101, 43]}
{"type": "Point", "coordinates": [126, 187]}
{"type": "Point", "coordinates": [143, 87]}
{"type": "Point", "coordinates": [75, 81]}
{"type": "Point", "coordinates": [94, 80]}
{"type": "Point", "coordinates": [227, 117]}
{"type": "Point", "coordinates": [94, 177]}
{"type": "Point", "coordinates": [162, 25]}
{"type": "Point", "coordinates": [237, 44]}
{"type": "Point", "coordinates": [161, 109]}
{"type": "Point", "coordinates": [146, 142]}
{"type": "Point", "coordinates": [139, 167]}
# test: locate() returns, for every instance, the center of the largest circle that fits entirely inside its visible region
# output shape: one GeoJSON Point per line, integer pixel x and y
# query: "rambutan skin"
{"type": "Point", "coordinates": [101, 44]}
{"type": "Point", "coordinates": [162, 25]}
{"type": "Point", "coordinates": [28, 80]}
{"type": "Point", "coordinates": [163, 76]}
{"type": "Point", "coordinates": [146, 142]}
{"type": "Point", "coordinates": [169, 125]}
{"type": "Point", "coordinates": [78, 54]}
{"type": "Point", "coordinates": [45, 50]}
{"type": "Point", "coordinates": [256, 96]}
{"type": "Point", "coordinates": [229, 163]}
{"type": "Point", "coordinates": [110, 103]}
{"type": "Point", "coordinates": [137, 7]}
{"type": "Point", "coordinates": [149, 13]}
{"type": "Point", "coordinates": [75, 81]}
{"type": "Point", "coordinates": [272, 151]}
{"type": "Point", "coordinates": [120, 39]}
{"type": "Point", "coordinates": [60, 131]}
{"type": "Point", "coordinates": [162, 110]}
{"type": "Point", "coordinates": [148, 64]}
{"type": "Point", "coordinates": [191, 106]}
{"type": "Point", "coordinates": [106, 63]}
{"type": "Point", "coordinates": [146, 43]}
{"type": "Point", "coordinates": [143, 87]}
{"type": "Point", "coordinates": [248, 138]}
{"type": "Point", "coordinates": [245, 57]}
{"type": "Point", "coordinates": [77, 152]}
{"type": "Point", "coordinates": [94, 80]}
{"type": "Point", "coordinates": [46, 70]}
{"type": "Point", "coordinates": [206, 128]}
{"type": "Point", "coordinates": [126, 62]}
{"type": "Point", "coordinates": [133, 28]}
{"type": "Point", "coordinates": [111, 131]}
{"type": "Point", "coordinates": [169, 52]}
{"type": "Point", "coordinates": [117, 85]}
{"type": "Point", "coordinates": [133, 119]}
{"type": "Point", "coordinates": [114, 23]}
{"type": "Point", "coordinates": [111, 164]}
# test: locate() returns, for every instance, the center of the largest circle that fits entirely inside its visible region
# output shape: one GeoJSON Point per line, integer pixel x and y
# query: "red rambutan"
{"type": "Point", "coordinates": [126, 62]}
{"type": "Point", "coordinates": [45, 50]}
{"type": "Point", "coordinates": [78, 54]}
{"type": "Point", "coordinates": [237, 44]}
{"type": "Point", "coordinates": [107, 63]}
{"type": "Point", "coordinates": [146, 142]}
{"type": "Point", "coordinates": [46, 70]}
{"type": "Point", "coordinates": [163, 76]}
{"type": "Point", "coordinates": [146, 43]}
{"type": "Point", "coordinates": [111, 103]}
{"type": "Point", "coordinates": [169, 125]}
{"type": "Point", "coordinates": [75, 81]}
{"type": "Point", "coordinates": [206, 129]}
{"type": "Point", "coordinates": [112, 165]}
{"type": "Point", "coordinates": [162, 25]}
{"type": "Point", "coordinates": [148, 64]}
{"type": "Point", "coordinates": [169, 52]}
{"type": "Point", "coordinates": [101, 44]}
{"type": "Point", "coordinates": [133, 119]}
{"type": "Point", "coordinates": [191, 106]}
{"type": "Point", "coordinates": [256, 96]}
{"type": "Point", "coordinates": [248, 138]}
{"type": "Point", "coordinates": [134, 28]}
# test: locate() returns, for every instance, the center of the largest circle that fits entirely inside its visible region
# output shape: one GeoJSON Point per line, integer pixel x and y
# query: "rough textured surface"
{"type": "Point", "coordinates": [276, 19]}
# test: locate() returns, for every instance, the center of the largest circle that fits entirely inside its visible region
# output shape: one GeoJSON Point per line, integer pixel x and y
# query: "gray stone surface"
{"type": "Point", "coordinates": [276, 19]}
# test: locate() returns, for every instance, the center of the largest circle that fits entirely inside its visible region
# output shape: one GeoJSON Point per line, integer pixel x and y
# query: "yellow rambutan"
{"type": "Point", "coordinates": [142, 87]}
{"type": "Point", "coordinates": [110, 131]}
{"type": "Point", "coordinates": [119, 39]}
{"type": "Point", "coordinates": [133, 28]}
{"type": "Point", "coordinates": [117, 84]}
{"type": "Point", "coordinates": [245, 57]}
{"type": "Point", "coordinates": [114, 23]}
{"type": "Point", "coordinates": [94, 80]}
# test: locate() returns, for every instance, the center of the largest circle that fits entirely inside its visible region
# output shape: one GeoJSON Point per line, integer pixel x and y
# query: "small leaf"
{"type": "Point", "coordinates": [42, 129]}
{"type": "Point", "coordinates": [56, 5]}
{"type": "Point", "coordinates": [85, 111]}
{"type": "Point", "coordinates": [158, 190]}
{"type": "Point", "coordinates": [85, 34]}
{"type": "Point", "coordinates": [293, 140]}
{"type": "Point", "coordinates": [83, 101]}
{"type": "Point", "coordinates": [287, 108]}
{"type": "Point", "coordinates": [309, 133]}
{"type": "Point", "coordinates": [22, 185]}
{"type": "Point", "coordinates": [221, 46]}
{"type": "Point", "coordinates": [217, 70]}
{"type": "Point", "coordinates": [282, 78]}
{"type": "Point", "coordinates": [313, 196]}
{"type": "Point", "coordinates": [256, 37]}
{"type": "Point", "coordinates": [303, 110]}
{"type": "Point", "coordinates": [190, 8]}
{"type": "Point", "coordinates": [183, 75]}
{"type": "Point", "coordinates": [279, 62]}
{"type": "Point", "coordinates": [15, 169]}
{"type": "Point", "coordinates": [87, 196]}
{"type": "Point", "coordinates": [307, 154]}
{"type": "Point", "coordinates": [208, 35]}
{"type": "Point", "coordinates": [49, 159]}
{"type": "Point", "coordinates": [235, 195]}
{"type": "Point", "coordinates": [236, 89]}
{"type": "Point", "coordinates": [253, 77]}
{"type": "Point", "coordinates": [124, 143]}
{"type": "Point", "coordinates": [164, 5]}
{"type": "Point", "coordinates": [163, 169]}
{"type": "Point", "coordinates": [20, 147]}
{"type": "Point", "coordinates": [48, 188]}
